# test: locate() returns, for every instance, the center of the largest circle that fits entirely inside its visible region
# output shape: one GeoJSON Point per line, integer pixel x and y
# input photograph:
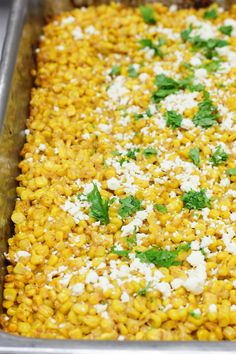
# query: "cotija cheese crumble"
{"type": "Point", "coordinates": [126, 216]}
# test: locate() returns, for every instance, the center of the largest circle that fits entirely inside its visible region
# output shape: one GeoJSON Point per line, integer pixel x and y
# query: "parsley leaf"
{"type": "Point", "coordinates": [196, 200]}
{"type": "Point", "coordinates": [122, 160]}
{"type": "Point", "coordinates": [173, 119]}
{"type": "Point", "coordinates": [210, 14]}
{"type": "Point", "coordinates": [121, 253]}
{"type": "Point", "coordinates": [231, 172]}
{"type": "Point", "coordinates": [161, 257]}
{"type": "Point", "coordinates": [99, 206]}
{"type": "Point", "coordinates": [227, 30]}
{"type": "Point", "coordinates": [132, 72]}
{"type": "Point", "coordinates": [149, 151]}
{"type": "Point", "coordinates": [219, 156]}
{"type": "Point", "coordinates": [143, 291]}
{"type": "Point", "coordinates": [128, 206]}
{"type": "Point", "coordinates": [148, 15]}
{"type": "Point", "coordinates": [207, 113]}
{"type": "Point", "coordinates": [147, 113]}
{"type": "Point", "coordinates": [161, 208]}
{"type": "Point", "coordinates": [194, 155]}
{"type": "Point", "coordinates": [115, 70]}
{"type": "Point", "coordinates": [155, 46]}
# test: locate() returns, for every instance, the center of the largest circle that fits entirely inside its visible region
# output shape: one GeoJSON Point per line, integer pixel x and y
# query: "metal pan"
{"type": "Point", "coordinates": [25, 23]}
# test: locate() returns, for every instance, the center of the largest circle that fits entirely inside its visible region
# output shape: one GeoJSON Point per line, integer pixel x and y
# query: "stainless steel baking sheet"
{"type": "Point", "coordinates": [25, 23]}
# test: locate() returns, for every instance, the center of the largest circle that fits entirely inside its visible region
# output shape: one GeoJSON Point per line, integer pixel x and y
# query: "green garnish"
{"type": "Point", "coordinates": [132, 72]}
{"type": "Point", "coordinates": [99, 206]}
{"type": "Point", "coordinates": [194, 155]}
{"type": "Point", "coordinates": [132, 153]}
{"type": "Point", "coordinates": [143, 291]}
{"type": "Point", "coordinates": [173, 119]}
{"type": "Point", "coordinates": [129, 206]}
{"type": "Point", "coordinates": [147, 113]}
{"type": "Point", "coordinates": [161, 257]}
{"type": "Point", "coordinates": [227, 30]}
{"type": "Point", "coordinates": [148, 15]}
{"type": "Point", "coordinates": [219, 156]}
{"type": "Point", "coordinates": [167, 86]}
{"type": "Point", "coordinates": [116, 153]}
{"type": "Point", "coordinates": [196, 200]}
{"type": "Point", "coordinates": [208, 47]}
{"type": "Point", "coordinates": [210, 14]}
{"type": "Point", "coordinates": [231, 172]}
{"type": "Point", "coordinates": [207, 114]}
{"type": "Point", "coordinates": [132, 240]}
{"type": "Point", "coordinates": [212, 65]}
{"type": "Point", "coordinates": [121, 253]}
{"type": "Point", "coordinates": [155, 46]}
{"type": "Point", "coordinates": [149, 151]}
{"type": "Point", "coordinates": [112, 200]}
{"type": "Point", "coordinates": [161, 208]}
{"type": "Point", "coordinates": [194, 314]}
{"type": "Point", "coordinates": [115, 70]}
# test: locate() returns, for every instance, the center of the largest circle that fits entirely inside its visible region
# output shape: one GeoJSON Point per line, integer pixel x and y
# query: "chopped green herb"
{"type": "Point", "coordinates": [212, 65]}
{"type": "Point", "coordinates": [203, 252]}
{"type": "Point", "coordinates": [194, 155]}
{"type": "Point", "coordinates": [207, 114]}
{"type": "Point", "coordinates": [194, 314]}
{"type": "Point", "coordinates": [112, 200]}
{"type": "Point", "coordinates": [132, 72]}
{"type": "Point", "coordinates": [161, 208]}
{"type": "Point", "coordinates": [219, 156]}
{"type": "Point", "coordinates": [129, 205]}
{"type": "Point", "coordinates": [122, 160]}
{"type": "Point", "coordinates": [196, 200]}
{"type": "Point", "coordinates": [148, 113]}
{"type": "Point", "coordinates": [155, 46]}
{"type": "Point", "coordinates": [185, 35]}
{"type": "Point", "coordinates": [231, 172]}
{"type": "Point", "coordinates": [148, 15]}
{"type": "Point", "coordinates": [173, 119]}
{"type": "Point", "coordinates": [121, 253]}
{"type": "Point", "coordinates": [132, 153]}
{"type": "Point", "coordinates": [132, 240]}
{"type": "Point", "coordinates": [115, 70]}
{"type": "Point", "coordinates": [149, 151]}
{"type": "Point", "coordinates": [210, 14]}
{"type": "Point", "coordinates": [161, 257]}
{"type": "Point", "coordinates": [138, 116]}
{"type": "Point", "coordinates": [143, 291]}
{"type": "Point", "coordinates": [99, 206]}
{"type": "Point", "coordinates": [227, 30]}
{"type": "Point", "coordinates": [116, 153]}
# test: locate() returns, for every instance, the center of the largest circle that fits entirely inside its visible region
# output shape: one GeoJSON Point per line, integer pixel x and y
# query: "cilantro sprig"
{"type": "Point", "coordinates": [115, 70]}
{"type": "Point", "coordinates": [173, 119]}
{"type": "Point", "coordinates": [196, 200]}
{"type": "Point", "coordinates": [161, 208]}
{"type": "Point", "coordinates": [210, 14]}
{"type": "Point", "coordinates": [162, 257]}
{"type": "Point", "coordinates": [207, 114]}
{"type": "Point", "coordinates": [147, 113]}
{"type": "Point", "coordinates": [148, 15]}
{"type": "Point", "coordinates": [143, 291]}
{"type": "Point", "coordinates": [132, 72]}
{"type": "Point", "coordinates": [121, 253]}
{"type": "Point", "coordinates": [99, 206]}
{"type": "Point", "coordinates": [148, 43]}
{"type": "Point", "coordinates": [194, 155]}
{"type": "Point", "coordinates": [227, 30]}
{"type": "Point", "coordinates": [149, 151]}
{"type": "Point", "coordinates": [219, 157]}
{"type": "Point", "coordinates": [129, 206]}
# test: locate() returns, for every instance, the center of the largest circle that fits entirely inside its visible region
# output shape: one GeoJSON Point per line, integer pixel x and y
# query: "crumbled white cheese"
{"type": "Point", "coordinates": [113, 183]}
{"type": "Point", "coordinates": [77, 33]}
{"type": "Point", "coordinates": [77, 289]}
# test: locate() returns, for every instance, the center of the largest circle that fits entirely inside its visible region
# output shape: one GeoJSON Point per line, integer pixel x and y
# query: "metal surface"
{"type": "Point", "coordinates": [4, 13]}
{"type": "Point", "coordinates": [15, 85]}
